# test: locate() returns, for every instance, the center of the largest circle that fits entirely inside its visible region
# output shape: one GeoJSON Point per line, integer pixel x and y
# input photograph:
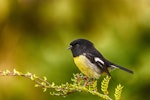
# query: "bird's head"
{"type": "Point", "coordinates": [79, 46]}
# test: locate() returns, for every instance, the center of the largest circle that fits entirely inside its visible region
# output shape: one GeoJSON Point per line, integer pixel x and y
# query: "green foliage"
{"type": "Point", "coordinates": [80, 83]}
{"type": "Point", "coordinates": [118, 92]}
{"type": "Point", "coordinates": [104, 84]}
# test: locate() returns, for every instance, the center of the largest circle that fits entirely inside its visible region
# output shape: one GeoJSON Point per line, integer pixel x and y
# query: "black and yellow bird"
{"type": "Point", "coordinates": [90, 61]}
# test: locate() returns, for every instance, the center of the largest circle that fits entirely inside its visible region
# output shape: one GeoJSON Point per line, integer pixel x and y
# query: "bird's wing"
{"type": "Point", "coordinates": [98, 61]}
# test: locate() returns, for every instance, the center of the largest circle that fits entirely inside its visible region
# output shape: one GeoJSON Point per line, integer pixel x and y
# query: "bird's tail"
{"type": "Point", "coordinates": [122, 68]}
{"type": "Point", "coordinates": [117, 66]}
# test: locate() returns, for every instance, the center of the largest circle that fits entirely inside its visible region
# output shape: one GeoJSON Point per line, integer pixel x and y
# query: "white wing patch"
{"type": "Point", "coordinates": [98, 60]}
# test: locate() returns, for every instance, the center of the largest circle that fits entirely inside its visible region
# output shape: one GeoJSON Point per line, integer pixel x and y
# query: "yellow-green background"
{"type": "Point", "coordinates": [34, 35]}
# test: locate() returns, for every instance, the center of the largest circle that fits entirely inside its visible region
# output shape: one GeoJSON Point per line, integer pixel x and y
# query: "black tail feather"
{"type": "Point", "coordinates": [122, 68]}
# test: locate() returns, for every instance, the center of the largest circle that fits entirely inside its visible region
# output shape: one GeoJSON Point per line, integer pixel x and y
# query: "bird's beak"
{"type": "Point", "coordinates": [69, 47]}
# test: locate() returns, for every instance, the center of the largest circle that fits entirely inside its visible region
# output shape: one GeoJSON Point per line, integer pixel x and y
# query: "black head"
{"type": "Point", "coordinates": [79, 46]}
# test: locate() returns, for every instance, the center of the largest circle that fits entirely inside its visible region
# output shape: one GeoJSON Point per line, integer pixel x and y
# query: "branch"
{"type": "Point", "coordinates": [80, 83]}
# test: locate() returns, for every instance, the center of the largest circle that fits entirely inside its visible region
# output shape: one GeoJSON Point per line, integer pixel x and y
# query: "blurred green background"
{"type": "Point", "coordinates": [34, 35]}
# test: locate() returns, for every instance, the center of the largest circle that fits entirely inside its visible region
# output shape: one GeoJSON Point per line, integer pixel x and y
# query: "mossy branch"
{"type": "Point", "coordinates": [80, 83]}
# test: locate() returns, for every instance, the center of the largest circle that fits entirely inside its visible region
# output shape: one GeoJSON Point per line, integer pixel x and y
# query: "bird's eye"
{"type": "Point", "coordinates": [75, 44]}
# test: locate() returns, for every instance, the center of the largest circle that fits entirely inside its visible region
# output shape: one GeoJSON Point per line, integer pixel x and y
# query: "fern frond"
{"type": "Point", "coordinates": [104, 85]}
{"type": "Point", "coordinates": [118, 92]}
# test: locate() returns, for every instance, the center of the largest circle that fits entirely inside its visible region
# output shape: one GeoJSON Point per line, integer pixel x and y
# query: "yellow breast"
{"type": "Point", "coordinates": [86, 67]}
